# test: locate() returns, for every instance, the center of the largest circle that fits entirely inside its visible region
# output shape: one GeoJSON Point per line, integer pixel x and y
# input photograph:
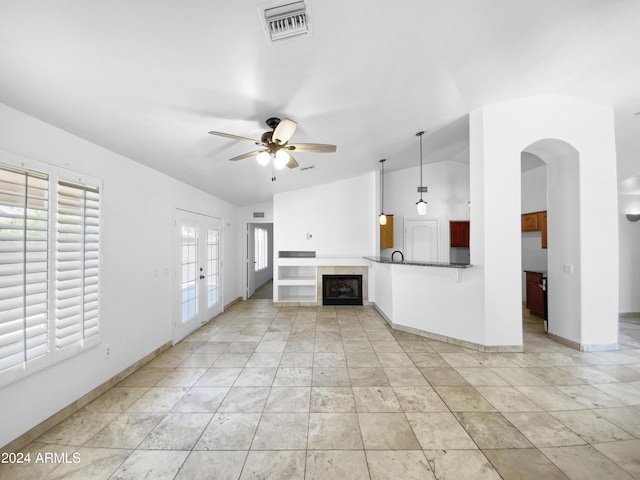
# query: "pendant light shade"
{"type": "Point", "coordinates": [421, 205]}
{"type": "Point", "coordinates": [263, 158]}
{"type": "Point", "coordinates": [382, 217]}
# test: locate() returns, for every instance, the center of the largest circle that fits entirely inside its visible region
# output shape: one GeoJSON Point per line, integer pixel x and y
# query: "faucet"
{"type": "Point", "coordinates": [394, 254]}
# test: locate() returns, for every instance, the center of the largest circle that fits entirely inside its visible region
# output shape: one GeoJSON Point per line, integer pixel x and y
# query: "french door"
{"type": "Point", "coordinates": [198, 272]}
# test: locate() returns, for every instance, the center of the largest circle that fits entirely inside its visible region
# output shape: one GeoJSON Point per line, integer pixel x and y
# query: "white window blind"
{"type": "Point", "coordinates": [24, 206]}
{"type": "Point", "coordinates": [260, 239]}
{"type": "Point", "coordinates": [77, 265]}
{"type": "Point", "coordinates": [49, 268]}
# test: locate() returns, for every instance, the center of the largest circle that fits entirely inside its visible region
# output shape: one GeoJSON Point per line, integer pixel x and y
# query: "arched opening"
{"type": "Point", "coordinates": [563, 262]}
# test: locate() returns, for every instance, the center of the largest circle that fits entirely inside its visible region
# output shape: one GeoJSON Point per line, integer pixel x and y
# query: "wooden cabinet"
{"type": "Point", "coordinates": [459, 233]}
{"type": "Point", "coordinates": [530, 222]}
{"type": "Point", "coordinates": [536, 222]}
{"type": "Point", "coordinates": [535, 294]}
{"type": "Point", "coordinates": [386, 233]}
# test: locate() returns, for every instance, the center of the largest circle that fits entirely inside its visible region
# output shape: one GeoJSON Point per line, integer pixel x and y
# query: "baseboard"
{"type": "Point", "coordinates": [35, 432]}
{"type": "Point", "coordinates": [233, 302]}
{"type": "Point", "coordinates": [453, 341]}
{"type": "Point", "coordinates": [583, 347]}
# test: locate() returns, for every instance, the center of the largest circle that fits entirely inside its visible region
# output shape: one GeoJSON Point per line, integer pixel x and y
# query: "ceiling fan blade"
{"type": "Point", "coordinates": [312, 147]}
{"type": "Point", "coordinates": [292, 163]}
{"type": "Point", "coordinates": [246, 155]}
{"type": "Point", "coordinates": [284, 131]}
{"type": "Point", "coordinates": [235, 137]}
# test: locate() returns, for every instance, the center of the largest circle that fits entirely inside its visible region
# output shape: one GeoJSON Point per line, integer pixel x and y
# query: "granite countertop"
{"type": "Point", "coordinates": [418, 263]}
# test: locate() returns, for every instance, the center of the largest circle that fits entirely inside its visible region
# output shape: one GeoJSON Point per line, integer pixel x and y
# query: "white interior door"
{"type": "Point", "coordinates": [198, 273]}
{"type": "Point", "coordinates": [421, 240]}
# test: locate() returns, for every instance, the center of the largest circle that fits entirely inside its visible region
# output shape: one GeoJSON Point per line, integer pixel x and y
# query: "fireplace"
{"type": "Point", "coordinates": [342, 289]}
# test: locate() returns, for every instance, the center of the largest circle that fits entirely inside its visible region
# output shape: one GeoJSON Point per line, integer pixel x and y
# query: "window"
{"type": "Point", "coordinates": [260, 238]}
{"type": "Point", "coordinates": [49, 269]}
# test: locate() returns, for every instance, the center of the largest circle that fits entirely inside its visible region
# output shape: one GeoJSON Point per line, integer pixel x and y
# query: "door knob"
{"type": "Point", "coordinates": [201, 277]}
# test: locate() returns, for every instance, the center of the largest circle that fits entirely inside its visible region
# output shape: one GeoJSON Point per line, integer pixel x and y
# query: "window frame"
{"type": "Point", "coordinates": [261, 249]}
{"type": "Point", "coordinates": [55, 175]}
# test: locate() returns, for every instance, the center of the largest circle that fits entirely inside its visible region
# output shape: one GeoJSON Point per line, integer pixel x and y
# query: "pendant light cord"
{"type": "Point", "coordinates": [420, 134]}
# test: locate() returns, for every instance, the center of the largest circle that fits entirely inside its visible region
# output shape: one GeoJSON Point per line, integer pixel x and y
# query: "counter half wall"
{"type": "Point", "coordinates": [437, 300]}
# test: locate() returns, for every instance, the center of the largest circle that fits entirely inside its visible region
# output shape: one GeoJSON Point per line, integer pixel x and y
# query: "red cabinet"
{"type": "Point", "coordinates": [459, 233]}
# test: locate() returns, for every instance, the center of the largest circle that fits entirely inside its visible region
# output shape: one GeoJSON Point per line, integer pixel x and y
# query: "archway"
{"type": "Point", "coordinates": [563, 238]}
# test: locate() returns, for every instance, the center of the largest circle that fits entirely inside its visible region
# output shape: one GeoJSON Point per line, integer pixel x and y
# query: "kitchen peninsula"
{"type": "Point", "coordinates": [432, 299]}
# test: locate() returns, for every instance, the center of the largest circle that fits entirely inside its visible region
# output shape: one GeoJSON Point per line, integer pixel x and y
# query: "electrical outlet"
{"type": "Point", "coordinates": [567, 268]}
{"type": "Point", "coordinates": [107, 352]}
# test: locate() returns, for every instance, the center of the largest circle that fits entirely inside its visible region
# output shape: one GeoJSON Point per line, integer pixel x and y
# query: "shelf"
{"type": "Point", "coordinates": [298, 299]}
{"type": "Point", "coordinates": [297, 281]}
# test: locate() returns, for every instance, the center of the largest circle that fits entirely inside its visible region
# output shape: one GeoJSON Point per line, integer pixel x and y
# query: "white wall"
{"type": "Point", "coordinates": [447, 199]}
{"type": "Point", "coordinates": [340, 216]}
{"type": "Point", "coordinates": [499, 133]}
{"type": "Point", "coordinates": [137, 209]}
{"type": "Point", "coordinates": [534, 199]}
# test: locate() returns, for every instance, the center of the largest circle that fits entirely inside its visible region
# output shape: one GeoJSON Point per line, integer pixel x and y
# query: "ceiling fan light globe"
{"type": "Point", "coordinates": [281, 159]}
{"type": "Point", "coordinates": [383, 219]}
{"type": "Point", "coordinates": [263, 158]}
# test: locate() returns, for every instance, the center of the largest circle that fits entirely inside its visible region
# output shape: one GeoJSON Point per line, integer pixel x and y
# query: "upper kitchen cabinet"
{"type": "Point", "coordinates": [536, 222]}
{"type": "Point", "coordinates": [530, 222]}
{"type": "Point", "coordinates": [459, 233]}
{"type": "Point", "coordinates": [386, 233]}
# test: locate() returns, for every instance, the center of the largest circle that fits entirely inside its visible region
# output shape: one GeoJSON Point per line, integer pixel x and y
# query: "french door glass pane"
{"type": "Point", "coordinates": [189, 279]}
{"type": "Point", "coordinates": [212, 267]}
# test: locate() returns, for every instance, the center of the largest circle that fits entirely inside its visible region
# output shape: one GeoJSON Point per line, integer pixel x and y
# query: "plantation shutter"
{"type": "Point", "coordinates": [77, 266]}
{"type": "Point", "coordinates": [260, 249]}
{"type": "Point", "coordinates": [24, 334]}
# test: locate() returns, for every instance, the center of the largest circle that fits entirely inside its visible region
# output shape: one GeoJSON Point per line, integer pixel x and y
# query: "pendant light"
{"type": "Point", "coordinates": [382, 217]}
{"type": "Point", "coordinates": [421, 205]}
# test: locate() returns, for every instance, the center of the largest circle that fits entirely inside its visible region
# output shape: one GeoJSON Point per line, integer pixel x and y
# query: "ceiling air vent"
{"type": "Point", "coordinates": [281, 21]}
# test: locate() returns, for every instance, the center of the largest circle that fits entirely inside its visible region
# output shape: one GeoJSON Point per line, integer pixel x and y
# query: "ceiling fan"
{"type": "Point", "coordinates": [275, 144]}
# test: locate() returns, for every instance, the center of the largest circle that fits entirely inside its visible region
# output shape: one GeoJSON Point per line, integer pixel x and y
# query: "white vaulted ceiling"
{"type": "Point", "coordinates": [149, 78]}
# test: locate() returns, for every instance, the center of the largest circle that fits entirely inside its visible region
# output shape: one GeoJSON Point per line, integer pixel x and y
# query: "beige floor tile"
{"type": "Point", "coordinates": [481, 377]}
{"type": "Point", "coordinates": [543, 430]}
{"type": "Point", "coordinates": [117, 399]}
{"type": "Point", "coordinates": [463, 399]}
{"type": "Point", "coordinates": [334, 431]}
{"type": "Point", "coordinates": [362, 359]}
{"type": "Point", "coordinates": [507, 399]}
{"type": "Point", "coordinates": [201, 399]}
{"type": "Point", "coordinates": [460, 360]}
{"type": "Point", "coordinates": [625, 454]}
{"type": "Point", "coordinates": [556, 375]}
{"type": "Point", "coordinates": [92, 463]}
{"type": "Point", "coordinates": [376, 399]}
{"type": "Point", "coordinates": [524, 464]}
{"type": "Point", "coordinates": [157, 465]}
{"type": "Point", "coordinates": [274, 465]}
{"type": "Point", "coordinates": [422, 359]}
{"type": "Point", "coordinates": [219, 377]}
{"type": "Point", "coordinates": [256, 377]}
{"type": "Point", "coordinates": [264, 360]}
{"type": "Point", "coordinates": [624, 392]}
{"type": "Point", "coordinates": [126, 431]}
{"type": "Point", "coordinates": [460, 465]}
{"type": "Point", "coordinates": [518, 377]}
{"type": "Point", "coordinates": [584, 462]}
{"type": "Point", "coordinates": [199, 465]}
{"type": "Point", "coordinates": [229, 431]}
{"type": "Point", "coordinates": [368, 377]}
{"type": "Point", "coordinates": [439, 430]}
{"type": "Point", "coordinates": [245, 400]}
{"type": "Point", "coordinates": [330, 377]}
{"type": "Point", "coordinates": [288, 399]}
{"type": "Point", "coordinates": [336, 464]}
{"type": "Point", "coordinates": [387, 431]}
{"type": "Point", "coordinates": [297, 359]}
{"type": "Point", "coordinates": [177, 431]}
{"type": "Point", "coordinates": [492, 430]}
{"type": "Point", "coordinates": [281, 431]}
{"type": "Point", "coordinates": [181, 377]}
{"type": "Point", "coordinates": [398, 464]}
{"type": "Point", "coordinates": [78, 428]}
{"type": "Point", "coordinates": [332, 399]}
{"type": "Point", "coordinates": [395, 360]}
{"type": "Point", "coordinates": [231, 360]}
{"type": "Point", "coordinates": [590, 426]}
{"type": "Point", "coordinates": [444, 376]}
{"type": "Point", "coordinates": [405, 377]}
{"type": "Point", "coordinates": [627, 418]}
{"type": "Point", "coordinates": [293, 377]}
{"type": "Point", "coordinates": [331, 359]}
{"type": "Point", "coordinates": [420, 399]}
{"type": "Point", "coordinates": [550, 398]}
{"type": "Point", "coordinates": [590, 397]}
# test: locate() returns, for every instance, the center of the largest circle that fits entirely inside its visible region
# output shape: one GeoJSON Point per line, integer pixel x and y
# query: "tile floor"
{"type": "Point", "coordinates": [305, 393]}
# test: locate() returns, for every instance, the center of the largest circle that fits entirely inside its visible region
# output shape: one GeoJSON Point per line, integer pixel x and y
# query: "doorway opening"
{"type": "Point", "coordinates": [259, 260]}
